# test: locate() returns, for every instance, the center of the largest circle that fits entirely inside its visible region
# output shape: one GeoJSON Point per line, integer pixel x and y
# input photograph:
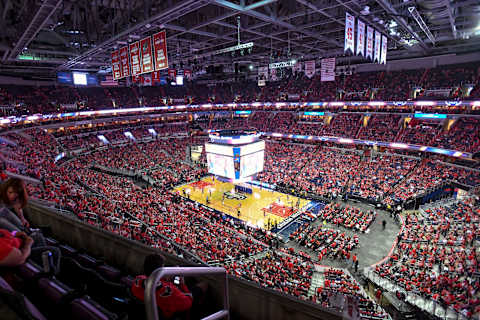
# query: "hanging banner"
{"type": "Point", "coordinates": [188, 74]}
{"type": "Point", "coordinates": [172, 74]}
{"type": "Point", "coordinates": [378, 45]}
{"type": "Point", "coordinates": [135, 58]}
{"type": "Point", "coordinates": [136, 79]}
{"type": "Point", "coordinates": [285, 64]}
{"type": "Point", "coordinates": [160, 50]}
{"type": "Point", "coordinates": [369, 54]}
{"type": "Point", "coordinates": [124, 62]}
{"type": "Point", "coordinates": [383, 57]}
{"type": "Point", "coordinates": [147, 80]}
{"type": "Point", "coordinates": [273, 74]}
{"type": "Point", "coordinates": [155, 77]}
{"type": "Point", "coordinates": [147, 56]}
{"type": "Point", "coordinates": [263, 73]}
{"type": "Point", "coordinates": [310, 68]}
{"type": "Point", "coordinates": [115, 65]}
{"type": "Point", "coordinates": [297, 67]}
{"type": "Point", "coordinates": [349, 33]}
{"type": "Point", "coordinates": [361, 38]}
{"type": "Point", "coordinates": [328, 69]}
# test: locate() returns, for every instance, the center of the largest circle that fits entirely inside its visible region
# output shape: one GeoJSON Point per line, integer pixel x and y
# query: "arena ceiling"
{"type": "Point", "coordinates": [45, 36]}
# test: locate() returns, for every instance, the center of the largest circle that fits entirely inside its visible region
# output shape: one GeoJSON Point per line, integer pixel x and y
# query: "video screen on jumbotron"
{"type": "Point", "coordinates": [221, 165]}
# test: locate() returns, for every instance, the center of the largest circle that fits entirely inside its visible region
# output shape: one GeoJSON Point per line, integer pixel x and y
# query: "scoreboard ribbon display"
{"type": "Point", "coordinates": [160, 50]}
{"type": "Point", "coordinates": [115, 65]}
{"type": "Point", "coordinates": [147, 57]}
{"type": "Point", "coordinates": [135, 58]}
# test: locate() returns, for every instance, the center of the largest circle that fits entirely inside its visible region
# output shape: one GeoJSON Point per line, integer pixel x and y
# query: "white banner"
{"type": "Point", "coordinates": [310, 68]}
{"type": "Point", "coordinates": [284, 64]}
{"type": "Point", "coordinates": [297, 67]}
{"type": "Point", "coordinates": [263, 73]}
{"type": "Point", "coordinates": [349, 33]}
{"type": "Point", "coordinates": [378, 45]}
{"type": "Point", "coordinates": [328, 69]}
{"type": "Point", "coordinates": [361, 38]}
{"type": "Point", "coordinates": [383, 57]}
{"type": "Point", "coordinates": [369, 53]}
{"type": "Point", "coordinates": [273, 74]}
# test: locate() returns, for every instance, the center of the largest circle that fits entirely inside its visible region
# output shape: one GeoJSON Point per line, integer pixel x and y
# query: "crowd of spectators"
{"type": "Point", "coordinates": [276, 271]}
{"type": "Point", "coordinates": [364, 86]}
{"type": "Point", "coordinates": [437, 257]}
{"type": "Point", "coordinates": [325, 242]}
{"type": "Point", "coordinates": [337, 280]}
{"type": "Point", "coordinates": [348, 216]}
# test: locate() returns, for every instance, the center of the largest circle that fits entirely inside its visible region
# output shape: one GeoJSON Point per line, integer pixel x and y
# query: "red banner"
{"type": "Point", "coordinates": [155, 76]}
{"type": "Point", "coordinates": [147, 57]}
{"type": "Point", "coordinates": [160, 50]}
{"type": "Point", "coordinates": [124, 63]}
{"type": "Point", "coordinates": [188, 74]}
{"type": "Point", "coordinates": [136, 79]}
{"type": "Point", "coordinates": [135, 58]}
{"type": "Point", "coordinates": [115, 65]}
{"type": "Point", "coordinates": [172, 74]}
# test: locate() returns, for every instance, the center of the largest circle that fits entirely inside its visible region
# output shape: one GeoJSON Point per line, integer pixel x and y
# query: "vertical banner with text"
{"type": "Point", "coordinates": [172, 74]}
{"type": "Point", "coordinates": [349, 33]}
{"type": "Point", "coordinates": [310, 68]}
{"type": "Point", "coordinates": [135, 58]}
{"type": "Point", "coordinates": [369, 53]}
{"type": "Point", "coordinates": [115, 65]}
{"type": "Point", "coordinates": [124, 62]}
{"type": "Point", "coordinates": [378, 45]}
{"type": "Point", "coordinates": [383, 57]}
{"type": "Point", "coordinates": [360, 38]}
{"type": "Point", "coordinates": [328, 69]}
{"type": "Point", "coordinates": [147, 56]}
{"type": "Point", "coordinates": [160, 50]}
{"type": "Point", "coordinates": [188, 74]}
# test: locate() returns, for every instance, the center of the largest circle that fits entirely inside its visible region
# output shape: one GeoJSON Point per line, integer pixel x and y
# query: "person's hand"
{"type": "Point", "coordinates": [25, 223]}
{"type": "Point", "coordinates": [21, 235]}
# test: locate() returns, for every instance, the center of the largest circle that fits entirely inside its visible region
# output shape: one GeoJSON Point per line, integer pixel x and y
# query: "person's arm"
{"type": "Point", "coordinates": [16, 256]}
{"type": "Point", "coordinates": [19, 211]}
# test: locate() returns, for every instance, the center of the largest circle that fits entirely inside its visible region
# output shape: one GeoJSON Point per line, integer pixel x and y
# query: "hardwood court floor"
{"type": "Point", "coordinates": [250, 207]}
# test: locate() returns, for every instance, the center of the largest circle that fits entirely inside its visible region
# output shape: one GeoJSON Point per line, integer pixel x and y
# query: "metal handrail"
{"type": "Point", "coordinates": [153, 280]}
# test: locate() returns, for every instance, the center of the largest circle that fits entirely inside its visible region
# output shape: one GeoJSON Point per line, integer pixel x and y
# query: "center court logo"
{"type": "Point", "coordinates": [234, 196]}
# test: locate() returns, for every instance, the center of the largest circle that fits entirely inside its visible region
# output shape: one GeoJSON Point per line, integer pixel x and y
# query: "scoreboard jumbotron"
{"type": "Point", "coordinates": [235, 155]}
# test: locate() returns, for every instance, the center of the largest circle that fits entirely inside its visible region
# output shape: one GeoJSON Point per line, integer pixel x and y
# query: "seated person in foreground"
{"type": "Point", "coordinates": [171, 299]}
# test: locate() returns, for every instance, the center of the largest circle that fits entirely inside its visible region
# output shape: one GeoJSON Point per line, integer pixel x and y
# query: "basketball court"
{"type": "Point", "coordinates": [262, 208]}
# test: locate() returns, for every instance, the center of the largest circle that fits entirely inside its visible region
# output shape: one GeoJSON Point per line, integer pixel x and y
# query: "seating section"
{"type": "Point", "coordinates": [437, 256]}
{"type": "Point", "coordinates": [86, 288]}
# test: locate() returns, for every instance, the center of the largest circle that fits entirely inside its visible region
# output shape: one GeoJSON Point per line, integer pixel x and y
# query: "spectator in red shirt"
{"type": "Point", "coordinates": [14, 249]}
{"type": "Point", "coordinates": [171, 299]}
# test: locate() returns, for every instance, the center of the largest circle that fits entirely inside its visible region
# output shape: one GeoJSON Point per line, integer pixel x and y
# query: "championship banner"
{"type": "Point", "coordinates": [146, 80]}
{"type": "Point", "coordinates": [188, 74]}
{"type": "Point", "coordinates": [136, 79]}
{"type": "Point", "coordinates": [310, 68]}
{"type": "Point", "coordinates": [297, 67]}
{"type": "Point", "coordinates": [263, 73]}
{"type": "Point", "coordinates": [273, 74]}
{"type": "Point", "coordinates": [349, 33]}
{"type": "Point", "coordinates": [369, 53]}
{"type": "Point", "coordinates": [135, 58]}
{"type": "Point", "coordinates": [172, 74]}
{"type": "Point", "coordinates": [124, 62]}
{"type": "Point", "coordinates": [155, 77]}
{"type": "Point", "coordinates": [160, 50]}
{"type": "Point", "coordinates": [361, 38]}
{"type": "Point", "coordinates": [383, 57]}
{"type": "Point", "coordinates": [328, 69]}
{"type": "Point", "coordinates": [378, 39]}
{"type": "Point", "coordinates": [115, 65]}
{"type": "Point", "coordinates": [147, 57]}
